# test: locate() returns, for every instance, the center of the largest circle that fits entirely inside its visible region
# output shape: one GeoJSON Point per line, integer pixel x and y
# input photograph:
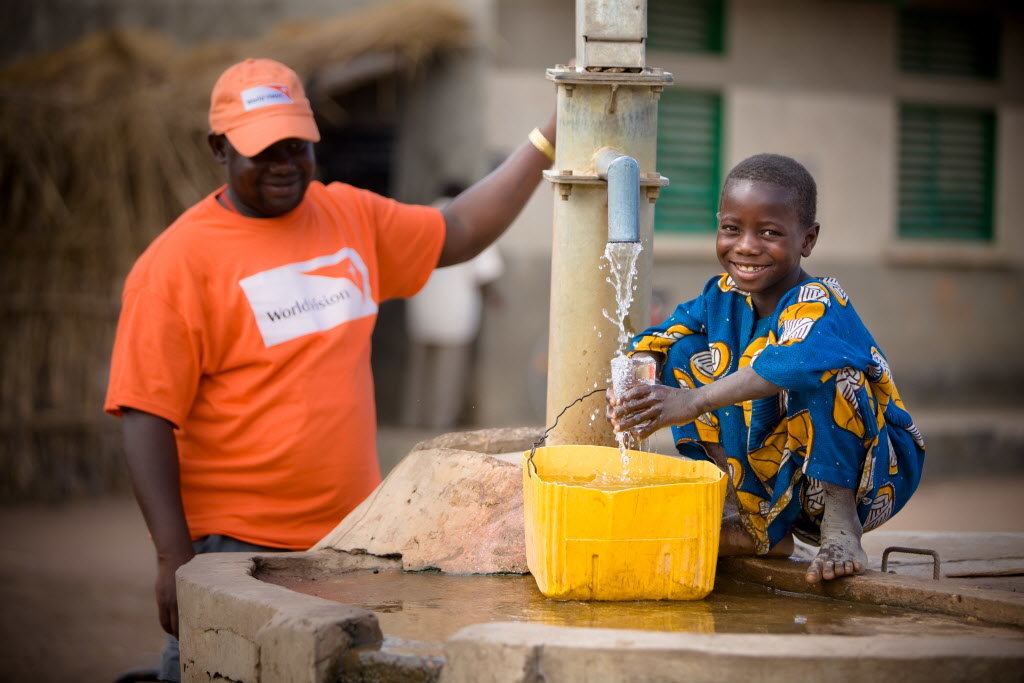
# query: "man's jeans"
{"type": "Point", "coordinates": [170, 664]}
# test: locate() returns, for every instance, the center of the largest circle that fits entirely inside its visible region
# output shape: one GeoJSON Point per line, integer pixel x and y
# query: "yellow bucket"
{"type": "Point", "coordinates": [597, 529]}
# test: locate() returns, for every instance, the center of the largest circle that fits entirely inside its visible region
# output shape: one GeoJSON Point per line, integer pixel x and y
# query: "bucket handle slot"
{"type": "Point", "coordinates": [912, 551]}
{"type": "Point", "coordinates": [543, 437]}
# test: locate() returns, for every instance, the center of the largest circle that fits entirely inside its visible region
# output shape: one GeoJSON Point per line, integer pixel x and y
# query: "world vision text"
{"type": "Point", "coordinates": [308, 305]}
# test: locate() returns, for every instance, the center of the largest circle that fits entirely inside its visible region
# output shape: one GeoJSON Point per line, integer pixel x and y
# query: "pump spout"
{"type": "Point", "coordinates": [622, 173]}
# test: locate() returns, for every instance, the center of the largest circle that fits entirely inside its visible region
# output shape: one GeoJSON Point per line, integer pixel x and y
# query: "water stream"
{"type": "Point", "coordinates": [621, 259]}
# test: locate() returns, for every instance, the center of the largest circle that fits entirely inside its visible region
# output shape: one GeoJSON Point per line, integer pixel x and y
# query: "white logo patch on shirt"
{"type": "Point", "coordinates": [297, 299]}
{"type": "Point", "coordinates": [264, 95]}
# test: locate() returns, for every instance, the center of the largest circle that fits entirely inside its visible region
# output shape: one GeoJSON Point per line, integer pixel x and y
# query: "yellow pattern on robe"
{"type": "Point", "coordinates": [813, 497]}
{"type": "Point", "coordinates": [755, 347]}
{"type": "Point", "coordinates": [845, 408]}
{"type": "Point", "coordinates": [708, 428]}
{"type": "Point", "coordinates": [882, 385]}
{"type": "Point", "coordinates": [683, 379]}
{"type": "Point", "coordinates": [757, 513]}
{"type": "Point", "coordinates": [837, 290]}
{"type": "Point", "coordinates": [883, 388]}
{"type": "Point", "coordinates": [707, 425]}
{"type": "Point", "coordinates": [783, 501]}
{"type": "Point", "coordinates": [754, 518]}
{"type": "Point", "coordinates": [881, 507]}
{"type": "Point", "coordinates": [661, 341]}
{"type": "Point", "coordinates": [793, 435]}
{"type": "Point", "coordinates": [867, 473]}
{"type": "Point", "coordinates": [753, 350]}
{"type": "Point", "coordinates": [707, 366]}
{"type": "Point", "coordinates": [735, 472]}
{"type": "Point", "coordinates": [726, 284]}
{"type": "Point", "coordinates": [813, 291]}
{"type": "Point", "coordinates": [797, 320]}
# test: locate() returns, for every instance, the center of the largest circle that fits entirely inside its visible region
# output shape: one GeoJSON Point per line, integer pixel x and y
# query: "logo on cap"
{"type": "Point", "coordinates": [265, 95]}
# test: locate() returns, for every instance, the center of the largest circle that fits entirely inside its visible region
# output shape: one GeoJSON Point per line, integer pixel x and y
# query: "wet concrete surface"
{"type": "Point", "coordinates": [417, 611]}
{"type": "Point", "coordinates": [76, 579]}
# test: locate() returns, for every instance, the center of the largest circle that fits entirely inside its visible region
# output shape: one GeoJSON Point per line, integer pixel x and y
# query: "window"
{"type": "Point", "coordinates": [949, 43]}
{"type": "Point", "coordinates": [686, 25]}
{"type": "Point", "coordinates": [689, 155]}
{"type": "Point", "coordinates": [946, 172]}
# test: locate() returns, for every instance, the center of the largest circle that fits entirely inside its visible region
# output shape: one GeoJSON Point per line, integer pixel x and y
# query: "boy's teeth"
{"type": "Point", "coordinates": [748, 269]}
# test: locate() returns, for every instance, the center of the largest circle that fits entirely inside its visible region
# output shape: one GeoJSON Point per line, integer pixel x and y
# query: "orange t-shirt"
{"type": "Point", "coordinates": [252, 336]}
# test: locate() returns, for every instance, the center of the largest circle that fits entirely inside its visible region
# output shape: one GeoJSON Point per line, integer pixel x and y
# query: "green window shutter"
{"type": "Point", "coordinates": [686, 25]}
{"type": "Point", "coordinates": [949, 43]}
{"type": "Point", "coordinates": [946, 172]}
{"type": "Point", "coordinates": [689, 155]}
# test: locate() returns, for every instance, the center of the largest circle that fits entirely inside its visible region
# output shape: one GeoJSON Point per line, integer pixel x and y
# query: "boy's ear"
{"type": "Point", "coordinates": [810, 239]}
{"type": "Point", "coordinates": [217, 144]}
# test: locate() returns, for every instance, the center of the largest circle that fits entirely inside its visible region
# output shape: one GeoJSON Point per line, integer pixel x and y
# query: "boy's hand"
{"type": "Point", "coordinates": [644, 409]}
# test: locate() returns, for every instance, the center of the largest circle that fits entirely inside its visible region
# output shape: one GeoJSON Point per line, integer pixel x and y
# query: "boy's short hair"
{"type": "Point", "coordinates": [785, 172]}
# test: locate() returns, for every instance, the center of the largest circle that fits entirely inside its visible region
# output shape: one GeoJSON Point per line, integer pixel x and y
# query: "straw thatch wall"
{"type": "Point", "coordinates": [102, 144]}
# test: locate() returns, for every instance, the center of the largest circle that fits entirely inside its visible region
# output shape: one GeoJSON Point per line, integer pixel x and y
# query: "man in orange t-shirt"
{"type": "Point", "coordinates": [241, 366]}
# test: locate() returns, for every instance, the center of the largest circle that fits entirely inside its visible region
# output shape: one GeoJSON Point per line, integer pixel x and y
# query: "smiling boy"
{"type": "Point", "coordinates": [771, 374]}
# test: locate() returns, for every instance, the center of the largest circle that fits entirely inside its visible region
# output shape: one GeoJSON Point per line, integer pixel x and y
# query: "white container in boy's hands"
{"type": "Point", "coordinates": [630, 371]}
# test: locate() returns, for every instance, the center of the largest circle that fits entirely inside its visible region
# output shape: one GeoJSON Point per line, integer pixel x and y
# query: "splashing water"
{"type": "Point", "coordinates": [621, 371]}
{"type": "Point", "coordinates": [629, 372]}
{"type": "Point", "coordinates": [621, 258]}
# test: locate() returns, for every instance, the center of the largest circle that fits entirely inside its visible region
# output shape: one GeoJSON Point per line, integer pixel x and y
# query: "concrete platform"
{"type": "Point", "coordinates": [236, 626]}
{"type": "Point", "coordinates": [525, 653]}
{"type": "Point", "coordinates": [991, 560]}
{"type": "Point", "coordinates": [76, 578]}
{"type": "Point", "coordinates": [976, 560]}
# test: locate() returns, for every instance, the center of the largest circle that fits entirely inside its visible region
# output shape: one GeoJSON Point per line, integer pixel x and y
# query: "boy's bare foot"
{"type": "Point", "coordinates": [834, 560]}
{"type": "Point", "coordinates": [840, 553]}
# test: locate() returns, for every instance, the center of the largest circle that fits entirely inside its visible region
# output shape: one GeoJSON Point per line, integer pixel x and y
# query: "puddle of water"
{"type": "Point", "coordinates": [417, 611]}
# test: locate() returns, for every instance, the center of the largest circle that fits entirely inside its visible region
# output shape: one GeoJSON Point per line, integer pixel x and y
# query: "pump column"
{"type": "Point", "coordinates": [607, 103]}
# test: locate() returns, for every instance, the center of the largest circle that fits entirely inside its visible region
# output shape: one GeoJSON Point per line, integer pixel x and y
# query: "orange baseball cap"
{"type": "Point", "coordinates": [259, 102]}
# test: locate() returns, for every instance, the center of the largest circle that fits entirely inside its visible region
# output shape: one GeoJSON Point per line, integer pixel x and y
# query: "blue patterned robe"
{"type": "Point", "coordinates": [839, 418]}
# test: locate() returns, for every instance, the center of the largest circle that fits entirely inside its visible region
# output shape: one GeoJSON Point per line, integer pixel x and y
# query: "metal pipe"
{"type": "Point", "coordinates": [607, 125]}
{"type": "Point", "coordinates": [622, 172]}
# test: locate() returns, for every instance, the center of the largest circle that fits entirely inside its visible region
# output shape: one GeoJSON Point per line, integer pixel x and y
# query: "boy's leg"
{"type": "Point", "coordinates": [694, 442]}
{"type": "Point", "coordinates": [840, 552]}
{"type": "Point", "coordinates": [733, 538]}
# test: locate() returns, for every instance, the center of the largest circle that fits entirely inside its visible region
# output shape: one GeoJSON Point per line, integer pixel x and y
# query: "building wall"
{"type": "Point", "coordinates": [818, 81]}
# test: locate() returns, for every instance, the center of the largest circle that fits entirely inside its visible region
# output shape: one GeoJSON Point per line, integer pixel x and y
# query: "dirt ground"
{"type": "Point", "coordinates": [75, 579]}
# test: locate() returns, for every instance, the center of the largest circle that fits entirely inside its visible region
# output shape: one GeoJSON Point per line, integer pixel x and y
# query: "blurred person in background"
{"type": "Point", "coordinates": [444, 321]}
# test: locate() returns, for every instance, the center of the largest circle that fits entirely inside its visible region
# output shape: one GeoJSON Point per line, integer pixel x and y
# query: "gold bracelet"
{"type": "Point", "coordinates": [541, 143]}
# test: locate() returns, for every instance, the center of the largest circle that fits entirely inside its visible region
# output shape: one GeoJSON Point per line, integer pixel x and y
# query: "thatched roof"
{"type": "Point", "coordinates": [108, 120]}
{"type": "Point", "coordinates": [102, 144]}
